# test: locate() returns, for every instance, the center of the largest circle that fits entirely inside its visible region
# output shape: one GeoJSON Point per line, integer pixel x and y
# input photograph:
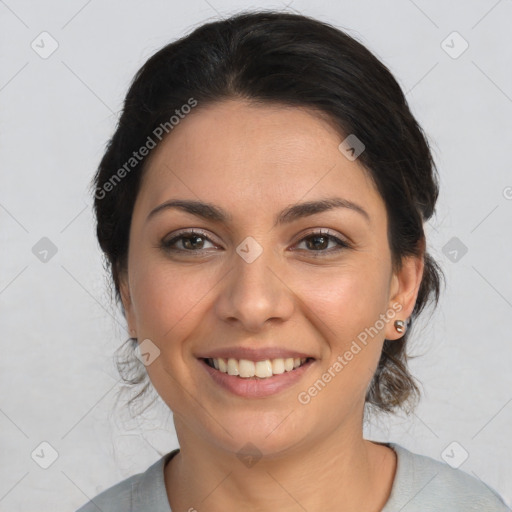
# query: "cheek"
{"type": "Point", "coordinates": [169, 306]}
{"type": "Point", "coordinates": [170, 300]}
{"type": "Point", "coordinates": [347, 299]}
{"type": "Point", "coordinates": [347, 304]}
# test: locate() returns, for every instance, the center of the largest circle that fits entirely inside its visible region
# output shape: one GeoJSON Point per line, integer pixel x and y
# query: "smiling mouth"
{"type": "Point", "coordinates": [247, 369]}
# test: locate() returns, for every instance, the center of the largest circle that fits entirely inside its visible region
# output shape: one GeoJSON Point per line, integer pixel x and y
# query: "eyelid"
{"type": "Point", "coordinates": [324, 231]}
{"type": "Point", "coordinates": [187, 231]}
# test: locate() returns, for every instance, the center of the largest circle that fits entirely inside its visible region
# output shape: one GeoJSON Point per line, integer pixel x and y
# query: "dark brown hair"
{"type": "Point", "coordinates": [293, 60]}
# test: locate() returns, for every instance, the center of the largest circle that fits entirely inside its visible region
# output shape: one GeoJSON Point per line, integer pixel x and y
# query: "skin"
{"type": "Point", "coordinates": [253, 161]}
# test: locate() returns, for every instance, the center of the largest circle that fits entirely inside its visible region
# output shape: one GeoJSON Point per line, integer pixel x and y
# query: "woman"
{"type": "Point", "coordinates": [261, 207]}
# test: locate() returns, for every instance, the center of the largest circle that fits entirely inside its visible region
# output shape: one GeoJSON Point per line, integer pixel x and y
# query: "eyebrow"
{"type": "Point", "coordinates": [214, 213]}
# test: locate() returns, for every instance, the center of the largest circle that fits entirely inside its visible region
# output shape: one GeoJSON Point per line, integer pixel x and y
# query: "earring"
{"type": "Point", "coordinates": [400, 325]}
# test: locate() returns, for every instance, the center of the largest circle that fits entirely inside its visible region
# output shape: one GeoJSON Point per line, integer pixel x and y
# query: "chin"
{"type": "Point", "coordinates": [258, 434]}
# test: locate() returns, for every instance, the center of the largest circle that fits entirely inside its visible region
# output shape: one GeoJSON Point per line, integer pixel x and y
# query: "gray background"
{"type": "Point", "coordinates": [59, 329]}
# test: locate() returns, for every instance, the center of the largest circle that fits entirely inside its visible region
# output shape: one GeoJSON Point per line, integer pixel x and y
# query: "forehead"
{"type": "Point", "coordinates": [236, 153]}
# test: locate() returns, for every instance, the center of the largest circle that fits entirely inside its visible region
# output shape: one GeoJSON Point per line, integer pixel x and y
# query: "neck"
{"type": "Point", "coordinates": [338, 472]}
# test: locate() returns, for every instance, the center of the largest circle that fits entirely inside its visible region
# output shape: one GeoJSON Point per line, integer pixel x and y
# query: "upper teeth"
{"type": "Point", "coordinates": [263, 369]}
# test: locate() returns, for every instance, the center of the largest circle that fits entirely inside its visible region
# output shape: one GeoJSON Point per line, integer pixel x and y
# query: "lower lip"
{"type": "Point", "coordinates": [256, 387]}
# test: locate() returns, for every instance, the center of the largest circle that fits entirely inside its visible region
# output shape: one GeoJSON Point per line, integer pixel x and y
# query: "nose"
{"type": "Point", "coordinates": [255, 293]}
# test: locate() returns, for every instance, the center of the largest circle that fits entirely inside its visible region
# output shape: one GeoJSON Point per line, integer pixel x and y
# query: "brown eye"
{"type": "Point", "coordinates": [191, 241]}
{"type": "Point", "coordinates": [319, 242]}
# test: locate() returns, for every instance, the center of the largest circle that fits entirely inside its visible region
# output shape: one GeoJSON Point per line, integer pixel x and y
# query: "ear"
{"type": "Point", "coordinates": [404, 288]}
{"type": "Point", "coordinates": [124, 288]}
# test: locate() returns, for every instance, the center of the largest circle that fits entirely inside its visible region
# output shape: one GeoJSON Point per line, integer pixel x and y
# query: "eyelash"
{"type": "Point", "coordinates": [166, 245]}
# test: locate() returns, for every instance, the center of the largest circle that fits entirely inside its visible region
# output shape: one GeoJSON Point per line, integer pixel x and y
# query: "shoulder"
{"type": "Point", "coordinates": [425, 484]}
{"type": "Point", "coordinates": [114, 499]}
{"type": "Point", "coordinates": [140, 492]}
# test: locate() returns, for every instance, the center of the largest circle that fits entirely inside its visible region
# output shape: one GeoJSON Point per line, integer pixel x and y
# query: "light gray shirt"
{"type": "Point", "coordinates": [421, 484]}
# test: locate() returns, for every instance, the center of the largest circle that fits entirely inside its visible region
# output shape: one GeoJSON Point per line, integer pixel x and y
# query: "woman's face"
{"type": "Point", "coordinates": [262, 278]}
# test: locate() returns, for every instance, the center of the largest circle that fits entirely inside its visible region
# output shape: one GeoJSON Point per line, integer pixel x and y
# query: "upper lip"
{"type": "Point", "coordinates": [253, 354]}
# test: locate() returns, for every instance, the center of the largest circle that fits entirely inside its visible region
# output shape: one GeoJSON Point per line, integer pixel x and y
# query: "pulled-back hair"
{"type": "Point", "coordinates": [287, 59]}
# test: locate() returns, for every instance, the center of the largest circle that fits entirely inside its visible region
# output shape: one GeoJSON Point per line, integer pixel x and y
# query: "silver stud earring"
{"type": "Point", "coordinates": [400, 325]}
